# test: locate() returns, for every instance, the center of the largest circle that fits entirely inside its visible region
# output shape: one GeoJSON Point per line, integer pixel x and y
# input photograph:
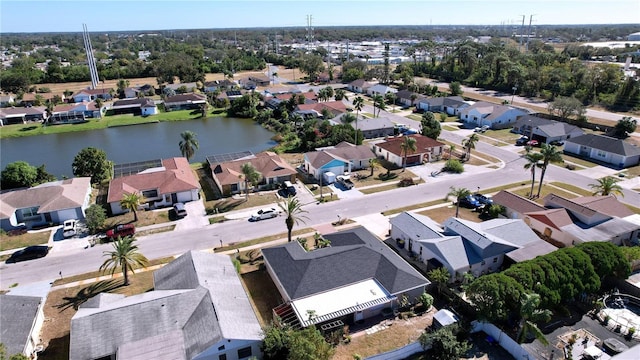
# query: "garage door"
{"type": "Point", "coordinates": [413, 159]}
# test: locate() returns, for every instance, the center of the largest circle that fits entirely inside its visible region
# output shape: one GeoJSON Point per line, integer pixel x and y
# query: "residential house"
{"type": "Point", "coordinates": [545, 131]}
{"type": "Point", "coordinates": [408, 98]}
{"type": "Point", "coordinates": [310, 97]}
{"type": "Point", "coordinates": [21, 318]}
{"type": "Point", "coordinates": [567, 222]}
{"type": "Point", "coordinates": [232, 95]}
{"type": "Point", "coordinates": [138, 91]}
{"type": "Point", "coordinates": [184, 102]}
{"type": "Point", "coordinates": [168, 182]}
{"type": "Point", "coordinates": [340, 159]}
{"type": "Point", "coordinates": [88, 95]}
{"type": "Point", "coordinates": [380, 89]}
{"type": "Point", "coordinates": [604, 149]}
{"type": "Point", "coordinates": [6, 100]}
{"type": "Point", "coordinates": [427, 150]}
{"type": "Point", "coordinates": [181, 88]}
{"type": "Point", "coordinates": [315, 109]}
{"type": "Point", "coordinates": [197, 310]}
{"type": "Point", "coordinates": [74, 112]}
{"type": "Point", "coordinates": [355, 278]}
{"type": "Point", "coordinates": [137, 106]}
{"type": "Point", "coordinates": [493, 115]}
{"type": "Point", "coordinates": [359, 86]}
{"type": "Point", "coordinates": [219, 85]}
{"type": "Point", "coordinates": [29, 99]}
{"type": "Point", "coordinates": [451, 105]}
{"type": "Point", "coordinates": [371, 127]}
{"type": "Point", "coordinates": [48, 203]}
{"type": "Point", "coordinates": [280, 89]}
{"type": "Point", "coordinates": [273, 171]}
{"type": "Point", "coordinates": [515, 205]}
{"type": "Point", "coordinates": [464, 246]}
{"type": "Point", "coordinates": [20, 115]}
{"type": "Point", "coordinates": [260, 79]}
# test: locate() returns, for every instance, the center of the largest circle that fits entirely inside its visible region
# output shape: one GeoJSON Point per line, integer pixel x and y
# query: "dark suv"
{"type": "Point", "coordinates": [28, 253]}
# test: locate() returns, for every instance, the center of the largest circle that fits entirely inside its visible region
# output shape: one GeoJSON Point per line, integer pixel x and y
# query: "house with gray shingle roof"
{"type": "Point", "coordinates": [198, 310]}
{"type": "Point", "coordinates": [545, 131]}
{"type": "Point", "coordinates": [604, 149]}
{"type": "Point", "coordinates": [493, 115]}
{"type": "Point", "coordinates": [359, 86]}
{"type": "Point", "coordinates": [52, 202]}
{"type": "Point", "coordinates": [377, 127]}
{"type": "Point", "coordinates": [408, 98]}
{"type": "Point", "coordinates": [515, 205]}
{"type": "Point", "coordinates": [380, 89]}
{"type": "Point", "coordinates": [355, 278]}
{"type": "Point", "coordinates": [21, 318]}
{"type": "Point", "coordinates": [464, 246]}
{"type": "Point", "coordinates": [451, 105]}
{"type": "Point", "coordinates": [339, 159]}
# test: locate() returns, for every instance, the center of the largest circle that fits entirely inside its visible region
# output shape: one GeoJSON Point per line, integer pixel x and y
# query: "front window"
{"type": "Point", "coordinates": [601, 154]}
{"type": "Point", "coordinates": [30, 212]}
{"type": "Point", "coordinates": [149, 194]}
{"type": "Point", "coordinates": [244, 352]}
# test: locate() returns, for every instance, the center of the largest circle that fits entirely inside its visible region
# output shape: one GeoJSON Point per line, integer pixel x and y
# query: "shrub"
{"type": "Point", "coordinates": [454, 166]}
{"type": "Point", "coordinates": [406, 182]}
{"type": "Point", "coordinates": [570, 166]}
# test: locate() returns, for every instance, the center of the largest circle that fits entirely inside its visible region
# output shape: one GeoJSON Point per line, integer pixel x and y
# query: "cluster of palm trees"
{"type": "Point", "coordinates": [541, 160]}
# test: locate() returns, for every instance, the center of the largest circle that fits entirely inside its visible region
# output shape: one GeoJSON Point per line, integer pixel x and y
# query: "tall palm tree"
{"type": "Point", "coordinates": [378, 102]}
{"type": "Point", "coordinates": [189, 144]}
{"type": "Point", "coordinates": [452, 148]}
{"type": "Point", "coordinates": [250, 175]}
{"type": "Point", "coordinates": [293, 210]}
{"type": "Point", "coordinates": [533, 161]}
{"type": "Point", "coordinates": [124, 256]}
{"type": "Point", "coordinates": [440, 276]}
{"type": "Point", "coordinates": [550, 154]}
{"type": "Point", "coordinates": [408, 146]}
{"type": "Point", "coordinates": [373, 163]}
{"type": "Point", "coordinates": [607, 186]}
{"type": "Point", "coordinates": [358, 104]}
{"type": "Point", "coordinates": [470, 144]}
{"type": "Point", "coordinates": [459, 194]}
{"type": "Point", "coordinates": [529, 315]}
{"type": "Point", "coordinates": [132, 202]}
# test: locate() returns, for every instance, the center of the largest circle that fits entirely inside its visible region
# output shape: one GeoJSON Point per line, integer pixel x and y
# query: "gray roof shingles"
{"type": "Point", "coordinates": [19, 312]}
{"type": "Point", "coordinates": [606, 143]}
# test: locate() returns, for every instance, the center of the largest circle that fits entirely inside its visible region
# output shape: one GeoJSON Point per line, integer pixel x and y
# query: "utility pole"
{"type": "Point", "coordinates": [529, 32]}
{"type": "Point", "coordinates": [309, 31]}
{"type": "Point", "coordinates": [521, 31]}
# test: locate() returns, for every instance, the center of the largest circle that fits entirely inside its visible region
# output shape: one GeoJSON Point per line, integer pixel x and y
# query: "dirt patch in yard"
{"type": "Point", "coordinates": [263, 294]}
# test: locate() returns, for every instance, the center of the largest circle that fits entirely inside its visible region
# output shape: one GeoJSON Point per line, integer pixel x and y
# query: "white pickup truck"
{"type": "Point", "coordinates": [345, 181]}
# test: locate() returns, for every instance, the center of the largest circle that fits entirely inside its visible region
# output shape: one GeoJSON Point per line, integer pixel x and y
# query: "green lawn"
{"type": "Point", "coordinates": [30, 129]}
{"type": "Point", "coordinates": [19, 241]}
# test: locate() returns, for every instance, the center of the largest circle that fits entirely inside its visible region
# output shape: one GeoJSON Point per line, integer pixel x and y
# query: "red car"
{"type": "Point", "coordinates": [121, 230]}
{"type": "Point", "coordinates": [533, 143]}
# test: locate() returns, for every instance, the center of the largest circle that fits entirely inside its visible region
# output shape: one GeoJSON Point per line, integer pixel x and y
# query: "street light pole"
{"type": "Point", "coordinates": [515, 88]}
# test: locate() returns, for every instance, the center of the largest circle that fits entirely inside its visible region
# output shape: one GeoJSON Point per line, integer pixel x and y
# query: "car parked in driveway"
{"type": "Point", "coordinates": [180, 210]}
{"type": "Point", "coordinates": [484, 199]}
{"type": "Point", "coordinates": [345, 181]}
{"type": "Point", "coordinates": [470, 202]}
{"type": "Point", "coordinates": [121, 230]}
{"type": "Point", "coordinates": [69, 228]}
{"type": "Point", "coordinates": [28, 253]}
{"type": "Point", "coordinates": [533, 143]}
{"type": "Point", "coordinates": [266, 213]}
{"type": "Point", "coordinates": [522, 141]}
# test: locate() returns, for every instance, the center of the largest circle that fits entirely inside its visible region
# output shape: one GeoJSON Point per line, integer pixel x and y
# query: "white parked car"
{"type": "Point", "coordinates": [69, 228]}
{"type": "Point", "coordinates": [266, 213]}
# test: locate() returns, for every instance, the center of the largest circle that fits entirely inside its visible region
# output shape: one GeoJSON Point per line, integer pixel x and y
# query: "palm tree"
{"type": "Point", "coordinates": [530, 314]}
{"type": "Point", "coordinates": [440, 276]}
{"type": "Point", "coordinates": [189, 144]}
{"type": "Point", "coordinates": [358, 104]}
{"type": "Point", "coordinates": [607, 186]}
{"type": "Point", "coordinates": [533, 161]}
{"type": "Point", "coordinates": [131, 202]}
{"type": "Point", "coordinates": [250, 175]}
{"type": "Point", "coordinates": [459, 194]}
{"type": "Point", "coordinates": [408, 145]}
{"type": "Point", "coordinates": [550, 154]}
{"type": "Point", "coordinates": [469, 144]}
{"type": "Point", "coordinates": [373, 163]}
{"type": "Point", "coordinates": [124, 256]}
{"type": "Point", "coordinates": [452, 148]}
{"type": "Point", "coordinates": [293, 210]}
{"type": "Point", "coordinates": [378, 102]}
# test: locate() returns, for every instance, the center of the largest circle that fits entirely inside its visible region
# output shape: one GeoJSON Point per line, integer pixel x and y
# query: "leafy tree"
{"type": "Point", "coordinates": [453, 166]}
{"type": "Point", "coordinates": [607, 186]}
{"type": "Point", "coordinates": [124, 256]}
{"type": "Point", "coordinates": [250, 175]}
{"type": "Point", "coordinates": [340, 94]}
{"type": "Point", "coordinates": [440, 276]}
{"type": "Point", "coordinates": [309, 344]}
{"type": "Point", "coordinates": [408, 146]}
{"type": "Point", "coordinates": [123, 84]}
{"type": "Point", "coordinates": [607, 259]}
{"type": "Point", "coordinates": [459, 194]}
{"type": "Point", "coordinates": [529, 315]}
{"type": "Point", "coordinates": [18, 174]}
{"type": "Point", "coordinates": [469, 144]}
{"type": "Point", "coordinates": [494, 210]}
{"type": "Point", "coordinates": [131, 202]}
{"type": "Point", "coordinates": [625, 126]}
{"type": "Point", "coordinates": [312, 65]}
{"type": "Point", "coordinates": [430, 127]}
{"type": "Point", "coordinates": [43, 175]}
{"type": "Point", "coordinates": [275, 345]}
{"type": "Point", "coordinates": [565, 107]}
{"type": "Point", "coordinates": [443, 344]}
{"type": "Point", "coordinates": [426, 300]}
{"type": "Point", "coordinates": [189, 144]}
{"type": "Point", "coordinates": [455, 89]}
{"type": "Point", "coordinates": [533, 161]}
{"type": "Point", "coordinates": [293, 210]}
{"type": "Point", "coordinates": [550, 154]}
{"type": "Point", "coordinates": [495, 296]}
{"type": "Point", "coordinates": [358, 104]}
{"type": "Point", "coordinates": [92, 162]}
{"type": "Point", "coordinates": [95, 216]}
{"type": "Point", "coordinates": [245, 107]}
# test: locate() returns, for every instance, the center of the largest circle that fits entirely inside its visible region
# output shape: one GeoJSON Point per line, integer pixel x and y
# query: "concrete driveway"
{"type": "Point", "coordinates": [343, 193]}
{"type": "Point", "coordinates": [196, 216]}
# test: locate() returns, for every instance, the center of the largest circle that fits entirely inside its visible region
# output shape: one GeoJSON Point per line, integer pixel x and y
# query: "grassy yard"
{"type": "Point", "coordinates": [239, 203]}
{"type": "Point", "coordinates": [574, 189]}
{"type": "Point", "coordinates": [504, 135]}
{"type": "Point", "coordinates": [441, 214]}
{"type": "Point", "coordinates": [145, 218]}
{"type": "Point", "coordinates": [372, 190]}
{"type": "Point", "coordinates": [546, 190]}
{"type": "Point", "coordinates": [19, 241]}
{"type": "Point", "coordinates": [265, 239]}
{"type": "Point", "coordinates": [578, 161]}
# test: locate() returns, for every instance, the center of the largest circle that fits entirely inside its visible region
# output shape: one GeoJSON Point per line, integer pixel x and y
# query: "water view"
{"type": "Point", "coordinates": [137, 142]}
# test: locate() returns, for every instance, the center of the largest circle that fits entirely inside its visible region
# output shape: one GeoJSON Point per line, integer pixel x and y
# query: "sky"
{"type": "Point", "coordinates": [122, 15]}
